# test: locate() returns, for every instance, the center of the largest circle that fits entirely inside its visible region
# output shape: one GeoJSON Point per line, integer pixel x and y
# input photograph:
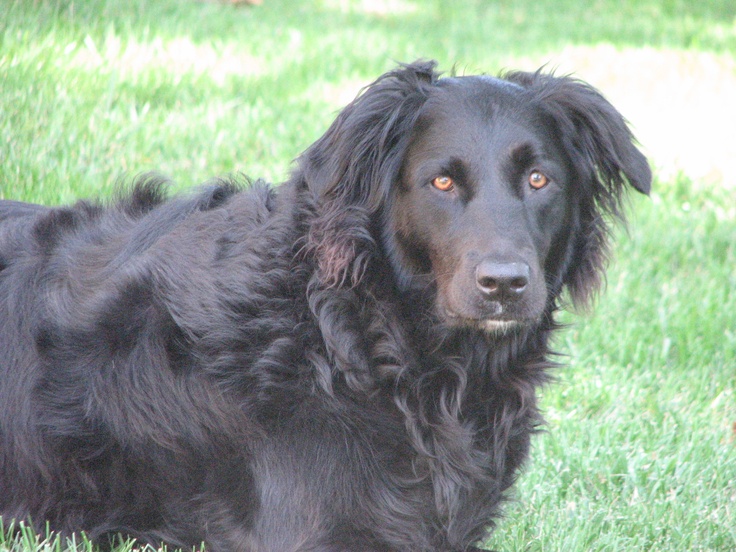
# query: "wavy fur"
{"type": "Point", "coordinates": [267, 369]}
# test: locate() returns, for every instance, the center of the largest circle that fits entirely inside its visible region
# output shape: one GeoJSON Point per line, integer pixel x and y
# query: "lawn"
{"type": "Point", "coordinates": [640, 447]}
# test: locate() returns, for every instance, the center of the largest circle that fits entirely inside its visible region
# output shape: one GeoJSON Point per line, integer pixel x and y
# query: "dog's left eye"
{"type": "Point", "coordinates": [537, 180]}
{"type": "Point", "coordinates": [443, 183]}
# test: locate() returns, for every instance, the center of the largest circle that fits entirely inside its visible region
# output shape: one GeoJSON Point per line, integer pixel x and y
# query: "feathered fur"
{"type": "Point", "coordinates": [321, 366]}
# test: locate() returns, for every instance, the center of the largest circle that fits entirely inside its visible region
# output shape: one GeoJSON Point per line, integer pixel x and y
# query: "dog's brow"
{"type": "Point", "coordinates": [523, 155]}
{"type": "Point", "coordinates": [520, 157]}
{"type": "Point", "coordinates": [457, 168]}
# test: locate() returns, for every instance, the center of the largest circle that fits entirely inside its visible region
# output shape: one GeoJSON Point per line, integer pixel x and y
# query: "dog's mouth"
{"type": "Point", "coordinates": [499, 326]}
{"type": "Point", "coordinates": [492, 326]}
{"type": "Point", "coordinates": [495, 306]}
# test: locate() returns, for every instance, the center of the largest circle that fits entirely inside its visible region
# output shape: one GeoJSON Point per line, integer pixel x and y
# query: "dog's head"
{"type": "Point", "coordinates": [496, 190]}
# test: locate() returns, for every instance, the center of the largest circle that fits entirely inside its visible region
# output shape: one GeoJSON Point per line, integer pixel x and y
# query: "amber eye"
{"type": "Point", "coordinates": [443, 183]}
{"type": "Point", "coordinates": [537, 180]}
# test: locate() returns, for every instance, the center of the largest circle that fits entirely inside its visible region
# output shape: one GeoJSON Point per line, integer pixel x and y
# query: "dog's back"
{"type": "Point", "coordinates": [88, 333]}
{"type": "Point", "coordinates": [16, 221]}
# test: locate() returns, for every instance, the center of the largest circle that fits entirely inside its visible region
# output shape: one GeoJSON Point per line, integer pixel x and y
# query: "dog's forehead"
{"type": "Point", "coordinates": [497, 82]}
{"type": "Point", "coordinates": [475, 113]}
{"type": "Point", "coordinates": [477, 99]}
{"type": "Point", "coordinates": [480, 85]}
{"type": "Point", "coordinates": [482, 95]}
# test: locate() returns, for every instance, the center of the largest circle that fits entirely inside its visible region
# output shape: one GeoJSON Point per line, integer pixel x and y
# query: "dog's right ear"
{"type": "Point", "coordinates": [350, 169]}
{"type": "Point", "coordinates": [355, 161]}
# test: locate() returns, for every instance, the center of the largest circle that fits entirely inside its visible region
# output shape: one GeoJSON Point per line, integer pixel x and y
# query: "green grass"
{"type": "Point", "coordinates": [640, 452]}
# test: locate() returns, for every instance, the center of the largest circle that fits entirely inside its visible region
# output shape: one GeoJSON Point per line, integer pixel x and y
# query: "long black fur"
{"type": "Point", "coordinates": [322, 366]}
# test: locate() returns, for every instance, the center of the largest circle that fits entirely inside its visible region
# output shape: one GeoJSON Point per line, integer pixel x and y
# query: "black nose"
{"type": "Point", "coordinates": [497, 279]}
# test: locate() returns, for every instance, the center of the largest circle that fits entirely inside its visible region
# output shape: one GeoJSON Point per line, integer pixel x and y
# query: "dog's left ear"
{"type": "Point", "coordinates": [350, 169]}
{"type": "Point", "coordinates": [592, 128]}
{"type": "Point", "coordinates": [605, 157]}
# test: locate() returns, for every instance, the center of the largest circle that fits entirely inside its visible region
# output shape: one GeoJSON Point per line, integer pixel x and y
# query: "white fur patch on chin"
{"type": "Point", "coordinates": [488, 325]}
{"type": "Point", "coordinates": [498, 326]}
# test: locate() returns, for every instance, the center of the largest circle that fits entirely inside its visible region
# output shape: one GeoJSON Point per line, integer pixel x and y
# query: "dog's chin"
{"type": "Point", "coordinates": [490, 326]}
{"type": "Point", "coordinates": [499, 327]}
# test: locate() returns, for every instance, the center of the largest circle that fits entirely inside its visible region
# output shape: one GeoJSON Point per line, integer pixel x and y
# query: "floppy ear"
{"type": "Point", "coordinates": [350, 169]}
{"type": "Point", "coordinates": [605, 158]}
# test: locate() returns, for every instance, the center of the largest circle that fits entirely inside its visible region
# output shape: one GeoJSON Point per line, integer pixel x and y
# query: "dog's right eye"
{"type": "Point", "coordinates": [443, 183]}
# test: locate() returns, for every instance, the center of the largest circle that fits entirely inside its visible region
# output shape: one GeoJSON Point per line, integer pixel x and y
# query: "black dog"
{"type": "Point", "coordinates": [347, 362]}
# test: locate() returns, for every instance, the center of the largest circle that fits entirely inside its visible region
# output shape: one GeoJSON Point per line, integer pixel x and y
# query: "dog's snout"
{"type": "Point", "coordinates": [499, 279]}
